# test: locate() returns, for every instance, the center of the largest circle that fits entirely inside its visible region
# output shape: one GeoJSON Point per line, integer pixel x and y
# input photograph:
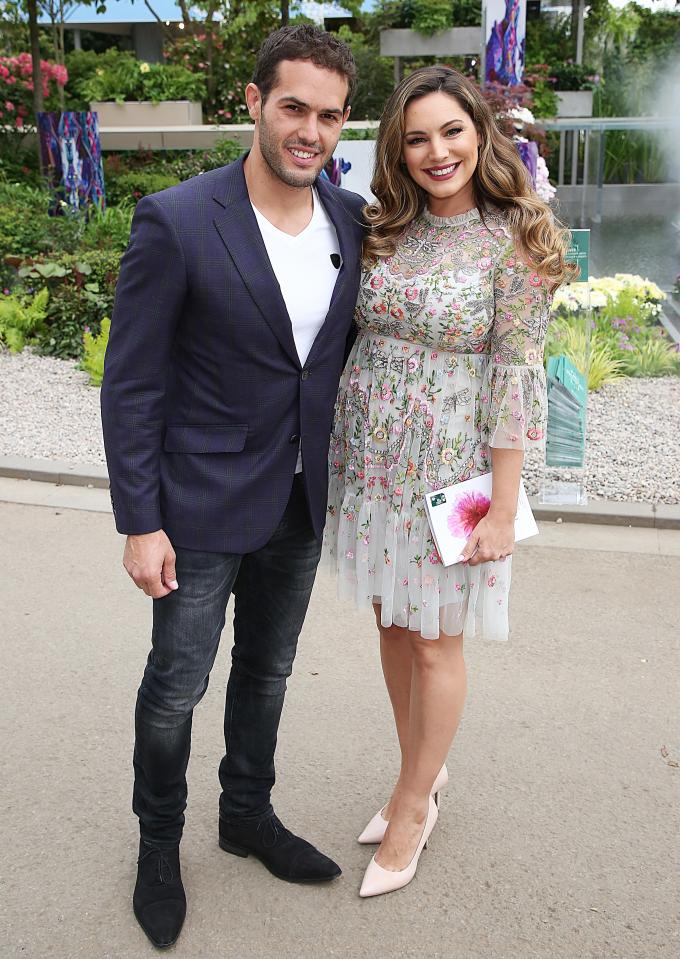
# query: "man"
{"type": "Point", "coordinates": [233, 311]}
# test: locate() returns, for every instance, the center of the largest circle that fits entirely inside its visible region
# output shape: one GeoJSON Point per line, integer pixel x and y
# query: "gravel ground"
{"type": "Point", "coordinates": [48, 411]}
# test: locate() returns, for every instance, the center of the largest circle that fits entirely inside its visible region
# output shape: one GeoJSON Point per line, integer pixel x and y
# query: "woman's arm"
{"type": "Point", "coordinates": [514, 396]}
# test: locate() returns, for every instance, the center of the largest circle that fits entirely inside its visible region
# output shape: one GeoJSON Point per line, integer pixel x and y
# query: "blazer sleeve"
{"type": "Point", "coordinates": [150, 294]}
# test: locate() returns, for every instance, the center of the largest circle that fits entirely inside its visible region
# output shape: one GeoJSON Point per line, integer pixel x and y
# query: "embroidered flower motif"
{"type": "Point", "coordinates": [411, 293]}
{"type": "Point", "coordinates": [448, 455]}
{"type": "Point", "coordinates": [534, 433]}
{"type": "Point", "coordinates": [491, 581]}
{"type": "Point", "coordinates": [377, 282]}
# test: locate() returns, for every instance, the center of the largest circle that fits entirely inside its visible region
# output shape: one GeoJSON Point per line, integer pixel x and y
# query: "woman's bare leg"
{"type": "Point", "coordinates": [438, 689]}
{"type": "Point", "coordinates": [396, 658]}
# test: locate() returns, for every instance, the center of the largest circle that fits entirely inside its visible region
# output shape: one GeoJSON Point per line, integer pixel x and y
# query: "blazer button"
{"type": "Point", "coordinates": [295, 438]}
{"type": "Point", "coordinates": [305, 375]}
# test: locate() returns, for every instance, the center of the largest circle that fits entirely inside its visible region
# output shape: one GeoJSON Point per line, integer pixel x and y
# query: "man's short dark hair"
{"type": "Point", "coordinates": [303, 42]}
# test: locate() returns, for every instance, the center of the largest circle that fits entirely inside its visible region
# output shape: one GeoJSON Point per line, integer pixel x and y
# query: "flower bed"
{"type": "Point", "coordinates": [623, 337]}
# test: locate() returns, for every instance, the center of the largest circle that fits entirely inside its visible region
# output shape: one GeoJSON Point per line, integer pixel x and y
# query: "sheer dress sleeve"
{"type": "Point", "coordinates": [514, 392]}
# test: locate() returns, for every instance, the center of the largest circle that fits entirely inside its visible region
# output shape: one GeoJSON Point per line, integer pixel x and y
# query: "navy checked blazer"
{"type": "Point", "coordinates": [204, 399]}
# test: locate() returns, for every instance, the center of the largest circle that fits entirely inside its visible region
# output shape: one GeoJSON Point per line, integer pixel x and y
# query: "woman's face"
{"type": "Point", "coordinates": [440, 150]}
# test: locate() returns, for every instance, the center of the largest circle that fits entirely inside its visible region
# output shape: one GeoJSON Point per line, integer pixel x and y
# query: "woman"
{"type": "Point", "coordinates": [445, 381]}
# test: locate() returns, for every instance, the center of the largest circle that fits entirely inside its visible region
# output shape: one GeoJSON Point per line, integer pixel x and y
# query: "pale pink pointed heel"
{"type": "Point", "coordinates": [375, 830]}
{"type": "Point", "coordinates": [378, 881]}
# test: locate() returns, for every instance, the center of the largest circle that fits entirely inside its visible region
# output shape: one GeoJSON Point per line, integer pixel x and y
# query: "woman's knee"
{"type": "Point", "coordinates": [430, 653]}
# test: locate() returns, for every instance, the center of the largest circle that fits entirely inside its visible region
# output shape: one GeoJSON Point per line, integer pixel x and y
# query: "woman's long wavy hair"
{"type": "Point", "coordinates": [500, 179]}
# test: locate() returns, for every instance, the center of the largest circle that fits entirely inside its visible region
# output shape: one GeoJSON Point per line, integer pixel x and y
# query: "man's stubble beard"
{"type": "Point", "coordinates": [270, 155]}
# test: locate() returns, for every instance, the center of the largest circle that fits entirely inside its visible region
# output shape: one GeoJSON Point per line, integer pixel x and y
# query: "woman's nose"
{"type": "Point", "coordinates": [439, 149]}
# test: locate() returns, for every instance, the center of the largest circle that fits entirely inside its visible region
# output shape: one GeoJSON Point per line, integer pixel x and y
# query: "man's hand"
{"type": "Point", "coordinates": [150, 561]}
{"type": "Point", "coordinates": [492, 538]}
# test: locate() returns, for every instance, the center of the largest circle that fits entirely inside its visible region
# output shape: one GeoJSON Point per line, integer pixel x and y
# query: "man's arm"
{"type": "Point", "coordinates": [149, 298]}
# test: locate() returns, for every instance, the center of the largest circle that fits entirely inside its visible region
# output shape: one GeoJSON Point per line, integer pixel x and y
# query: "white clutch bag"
{"type": "Point", "coordinates": [454, 511]}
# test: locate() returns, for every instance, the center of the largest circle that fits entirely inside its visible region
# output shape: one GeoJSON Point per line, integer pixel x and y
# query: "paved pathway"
{"type": "Point", "coordinates": [558, 836]}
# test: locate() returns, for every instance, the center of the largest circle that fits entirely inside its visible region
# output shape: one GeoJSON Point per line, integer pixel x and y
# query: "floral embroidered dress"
{"type": "Point", "coordinates": [447, 363]}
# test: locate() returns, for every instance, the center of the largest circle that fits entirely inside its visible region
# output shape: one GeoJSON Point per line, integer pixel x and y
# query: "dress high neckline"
{"type": "Point", "coordinates": [461, 218]}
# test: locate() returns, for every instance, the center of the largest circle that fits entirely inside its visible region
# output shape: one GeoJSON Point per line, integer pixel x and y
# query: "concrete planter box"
{"type": "Point", "coordinates": [458, 41]}
{"type": "Point", "coordinates": [143, 113]}
{"type": "Point", "coordinates": [575, 103]}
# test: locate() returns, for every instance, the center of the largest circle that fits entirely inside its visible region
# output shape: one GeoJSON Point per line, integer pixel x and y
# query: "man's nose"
{"type": "Point", "coordinates": [308, 129]}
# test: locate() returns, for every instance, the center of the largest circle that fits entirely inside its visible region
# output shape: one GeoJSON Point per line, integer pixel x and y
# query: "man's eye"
{"type": "Point", "coordinates": [291, 106]}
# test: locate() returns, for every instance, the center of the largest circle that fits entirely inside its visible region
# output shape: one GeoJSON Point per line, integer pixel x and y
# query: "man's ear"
{"type": "Point", "coordinates": [253, 101]}
{"type": "Point", "coordinates": [345, 116]}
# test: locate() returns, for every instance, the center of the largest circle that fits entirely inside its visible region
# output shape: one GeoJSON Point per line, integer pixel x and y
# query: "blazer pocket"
{"type": "Point", "coordinates": [205, 439]}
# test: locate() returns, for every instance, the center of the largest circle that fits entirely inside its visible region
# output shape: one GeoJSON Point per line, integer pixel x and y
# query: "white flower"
{"type": "Point", "coordinates": [544, 188]}
{"type": "Point", "coordinates": [521, 114]}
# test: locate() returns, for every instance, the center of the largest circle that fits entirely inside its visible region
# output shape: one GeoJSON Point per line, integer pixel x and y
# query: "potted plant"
{"type": "Point", "coordinates": [127, 92]}
{"type": "Point", "coordinates": [574, 84]}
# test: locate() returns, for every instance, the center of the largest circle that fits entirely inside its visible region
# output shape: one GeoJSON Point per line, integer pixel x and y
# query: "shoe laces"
{"type": "Point", "coordinates": [165, 873]}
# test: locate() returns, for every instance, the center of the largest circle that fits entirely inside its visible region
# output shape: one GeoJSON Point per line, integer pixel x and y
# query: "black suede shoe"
{"type": "Point", "coordinates": [159, 901]}
{"type": "Point", "coordinates": [285, 855]}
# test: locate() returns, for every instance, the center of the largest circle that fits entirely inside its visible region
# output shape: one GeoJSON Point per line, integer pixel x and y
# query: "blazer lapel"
{"type": "Point", "coordinates": [346, 231]}
{"type": "Point", "coordinates": [241, 235]}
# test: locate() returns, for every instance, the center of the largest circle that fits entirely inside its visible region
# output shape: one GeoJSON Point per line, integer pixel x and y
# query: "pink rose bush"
{"type": "Point", "coordinates": [16, 87]}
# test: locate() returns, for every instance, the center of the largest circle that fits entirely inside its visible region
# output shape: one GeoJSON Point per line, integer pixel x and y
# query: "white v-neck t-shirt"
{"type": "Point", "coordinates": [305, 273]}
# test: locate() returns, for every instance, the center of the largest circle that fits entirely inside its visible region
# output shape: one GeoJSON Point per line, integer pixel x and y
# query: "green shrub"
{"type": "Point", "coordinates": [21, 318]}
{"type": "Point", "coordinates": [28, 230]}
{"type": "Point", "coordinates": [598, 360]}
{"type": "Point", "coordinates": [431, 16]}
{"type": "Point", "coordinates": [94, 349]}
{"type": "Point", "coordinates": [375, 77]}
{"type": "Point", "coordinates": [131, 186]}
{"type": "Point", "coordinates": [190, 163]}
{"type": "Point", "coordinates": [169, 81]}
{"type": "Point", "coordinates": [18, 164]}
{"type": "Point", "coordinates": [573, 76]}
{"type": "Point", "coordinates": [82, 289]}
{"type": "Point", "coordinates": [652, 358]}
{"type": "Point", "coordinates": [108, 229]}
{"type": "Point", "coordinates": [119, 75]}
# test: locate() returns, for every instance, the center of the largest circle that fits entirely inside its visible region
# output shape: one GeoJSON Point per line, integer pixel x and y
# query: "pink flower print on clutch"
{"type": "Point", "coordinates": [467, 512]}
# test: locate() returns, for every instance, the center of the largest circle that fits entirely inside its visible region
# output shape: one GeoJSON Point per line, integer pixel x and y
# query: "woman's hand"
{"type": "Point", "coordinates": [492, 538]}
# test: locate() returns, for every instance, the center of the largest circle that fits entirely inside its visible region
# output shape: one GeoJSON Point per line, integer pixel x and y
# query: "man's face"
{"type": "Point", "coordinates": [298, 126]}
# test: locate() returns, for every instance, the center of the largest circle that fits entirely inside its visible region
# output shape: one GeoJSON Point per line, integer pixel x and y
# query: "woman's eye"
{"type": "Point", "coordinates": [453, 131]}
